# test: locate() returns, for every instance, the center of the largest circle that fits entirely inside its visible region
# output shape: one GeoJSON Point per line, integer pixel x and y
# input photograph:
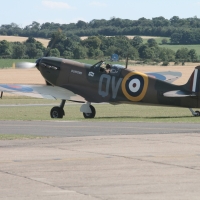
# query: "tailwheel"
{"type": "Point", "coordinates": [57, 112]}
{"type": "Point", "coordinates": [90, 115]}
{"type": "Point", "coordinates": [195, 113]}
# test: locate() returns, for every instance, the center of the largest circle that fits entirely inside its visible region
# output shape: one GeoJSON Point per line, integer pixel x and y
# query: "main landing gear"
{"type": "Point", "coordinates": [195, 113]}
{"type": "Point", "coordinates": [58, 111]}
{"type": "Point", "coordinates": [90, 115]}
{"type": "Point", "coordinates": [87, 109]}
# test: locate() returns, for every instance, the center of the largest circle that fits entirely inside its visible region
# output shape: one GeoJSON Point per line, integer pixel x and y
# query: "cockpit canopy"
{"type": "Point", "coordinates": [102, 66]}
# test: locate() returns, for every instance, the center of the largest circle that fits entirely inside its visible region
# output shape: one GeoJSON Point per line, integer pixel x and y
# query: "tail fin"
{"type": "Point", "coordinates": [193, 84]}
{"type": "Point", "coordinates": [191, 88]}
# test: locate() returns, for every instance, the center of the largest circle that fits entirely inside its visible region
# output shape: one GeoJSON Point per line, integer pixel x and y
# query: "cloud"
{"type": "Point", "coordinates": [98, 4]}
{"type": "Point", "coordinates": [55, 4]}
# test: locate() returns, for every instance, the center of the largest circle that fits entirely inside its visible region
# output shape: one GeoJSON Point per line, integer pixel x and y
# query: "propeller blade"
{"type": "Point", "coordinates": [53, 41]}
{"type": "Point", "coordinates": [126, 61]}
{"type": "Point", "coordinates": [25, 65]}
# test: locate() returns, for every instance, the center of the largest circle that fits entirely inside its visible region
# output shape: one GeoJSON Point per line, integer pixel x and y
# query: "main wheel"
{"type": "Point", "coordinates": [197, 113]}
{"type": "Point", "coordinates": [57, 112]}
{"type": "Point", "coordinates": [90, 115]}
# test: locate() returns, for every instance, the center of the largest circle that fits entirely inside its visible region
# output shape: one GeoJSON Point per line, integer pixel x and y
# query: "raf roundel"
{"type": "Point", "coordinates": [134, 86]}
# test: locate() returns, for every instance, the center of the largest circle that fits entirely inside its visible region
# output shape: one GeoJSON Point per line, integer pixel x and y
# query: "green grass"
{"type": "Point", "coordinates": [176, 47]}
{"type": "Point", "coordinates": [172, 46]}
{"type": "Point", "coordinates": [104, 112]}
{"type": "Point", "coordinates": [158, 39]}
{"type": "Point", "coordinates": [26, 100]}
{"type": "Point", "coordinates": [17, 137]}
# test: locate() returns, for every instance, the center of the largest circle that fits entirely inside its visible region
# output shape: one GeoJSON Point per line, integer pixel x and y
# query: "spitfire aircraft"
{"type": "Point", "coordinates": [111, 83]}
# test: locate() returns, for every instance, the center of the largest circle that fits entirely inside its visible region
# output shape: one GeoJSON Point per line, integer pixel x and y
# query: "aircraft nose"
{"type": "Point", "coordinates": [38, 62]}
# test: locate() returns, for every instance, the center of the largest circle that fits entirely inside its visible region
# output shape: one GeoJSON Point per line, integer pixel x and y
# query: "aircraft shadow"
{"type": "Point", "coordinates": [135, 117]}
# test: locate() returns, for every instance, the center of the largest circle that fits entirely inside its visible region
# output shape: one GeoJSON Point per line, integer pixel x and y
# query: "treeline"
{"type": "Point", "coordinates": [98, 47]}
{"type": "Point", "coordinates": [181, 31]}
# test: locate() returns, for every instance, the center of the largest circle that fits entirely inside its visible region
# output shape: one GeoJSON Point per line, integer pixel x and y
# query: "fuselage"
{"type": "Point", "coordinates": [116, 85]}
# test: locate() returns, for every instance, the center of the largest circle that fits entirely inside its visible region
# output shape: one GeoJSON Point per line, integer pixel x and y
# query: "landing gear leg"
{"type": "Point", "coordinates": [195, 113]}
{"type": "Point", "coordinates": [58, 111]}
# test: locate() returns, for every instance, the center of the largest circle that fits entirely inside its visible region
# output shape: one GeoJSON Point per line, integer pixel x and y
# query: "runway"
{"type": "Point", "coordinates": [85, 128]}
{"type": "Point", "coordinates": [100, 160]}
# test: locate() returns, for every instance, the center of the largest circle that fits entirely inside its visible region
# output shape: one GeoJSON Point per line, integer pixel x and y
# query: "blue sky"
{"type": "Point", "coordinates": [24, 12]}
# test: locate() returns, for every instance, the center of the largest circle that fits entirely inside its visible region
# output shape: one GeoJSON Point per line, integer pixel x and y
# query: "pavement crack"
{"type": "Point", "coordinates": [30, 179]}
{"type": "Point", "coordinates": [138, 159]}
{"type": "Point", "coordinates": [48, 184]}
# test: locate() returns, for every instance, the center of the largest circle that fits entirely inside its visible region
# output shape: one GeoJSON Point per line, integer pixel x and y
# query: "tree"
{"type": "Point", "coordinates": [91, 42]}
{"type": "Point", "coordinates": [5, 48]}
{"type": "Point", "coordinates": [111, 50]}
{"type": "Point", "coordinates": [80, 52]}
{"type": "Point", "coordinates": [31, 50]}
{"type": "Point", "coordinates": [98, 53]}
{"type": "Point", "coordinates": [146, 52]}
{"type": "Point", "coordinates": [192, 55]}
{"type": "Point", "coordinates": [68, 54]}
{"type": "Point", "coordinates": [166, 54]}
{"type": "Point", "coordinates": [164, 41]}
{"type": "Point", "coordinates": [160, 21]}
{"type": "Point", "coordinates": [54, 53]}
{"type": "Point", "coordinates": [18, 50]}
{"type": "Point", "coordinates": [30, 40]}
{"type": "Point", "coordinates": [176, 38]}
{"type": "Point", "coordinates": [182, 54]}
{"type": "Point", "coordinates": [137, 41]}
{"type": "Point", "coordinates": [81, 24]}
{"type": "Point", "coordinates": [152, 42]}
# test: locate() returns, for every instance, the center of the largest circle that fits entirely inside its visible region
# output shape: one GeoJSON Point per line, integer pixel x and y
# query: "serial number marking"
{"type": "Point", "coordinates": [76, 72]}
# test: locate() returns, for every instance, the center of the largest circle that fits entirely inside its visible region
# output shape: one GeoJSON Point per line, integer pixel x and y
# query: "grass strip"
{"type": "Point", "coordinates": [18, 137]}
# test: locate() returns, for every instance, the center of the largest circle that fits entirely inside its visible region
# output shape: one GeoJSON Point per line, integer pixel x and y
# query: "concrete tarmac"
{"type": "Point", "coordinates": [100, 160]}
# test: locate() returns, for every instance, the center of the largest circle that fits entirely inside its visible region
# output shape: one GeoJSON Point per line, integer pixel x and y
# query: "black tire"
{"type": "Point", "coordinates": [57, 112]}
{"type": "Point", "coordinates": [197, 113]}
{"type": "Point", "coordinates": [90, 115]}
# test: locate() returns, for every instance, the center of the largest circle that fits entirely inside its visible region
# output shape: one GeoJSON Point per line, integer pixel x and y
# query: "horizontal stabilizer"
{"type": "Point", "coordinates": [178, 93]}
{"type": "Point", "coordinates": [167, 76]}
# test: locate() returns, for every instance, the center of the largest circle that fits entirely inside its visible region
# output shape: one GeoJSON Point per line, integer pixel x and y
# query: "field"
{"type": "Point", "coordinates": [176, 47]}
{"type": "Point", "coordinates": [45, 42]}
{"type": "Point", "coordinates": [173, 47]}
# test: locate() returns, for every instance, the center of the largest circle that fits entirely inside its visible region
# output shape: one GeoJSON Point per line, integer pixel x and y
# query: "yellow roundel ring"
{"type": "Point", "coordinates": [134, 86]}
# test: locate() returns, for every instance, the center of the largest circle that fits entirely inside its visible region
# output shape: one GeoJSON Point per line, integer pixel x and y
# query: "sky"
{"type": "Point", "coordinates": [24, 12]}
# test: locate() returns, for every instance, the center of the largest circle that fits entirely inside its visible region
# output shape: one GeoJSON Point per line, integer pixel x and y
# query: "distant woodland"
{"type": "Point", "coordinates": [182, 31]}
{"type": "Point", "coordinates": [68, 44]}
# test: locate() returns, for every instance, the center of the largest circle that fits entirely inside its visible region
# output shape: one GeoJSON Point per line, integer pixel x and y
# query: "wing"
{"type": "Point", "coordinates": [167, 76]}
{"type": "Point", "coordinates": [41, 91]}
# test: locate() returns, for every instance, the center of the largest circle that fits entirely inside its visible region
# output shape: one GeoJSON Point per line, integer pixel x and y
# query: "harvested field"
{"type": "Point", "coordinates": [45, 42]}
{"type": "Point", "coordinates": [21, 76]}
